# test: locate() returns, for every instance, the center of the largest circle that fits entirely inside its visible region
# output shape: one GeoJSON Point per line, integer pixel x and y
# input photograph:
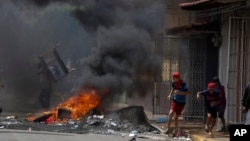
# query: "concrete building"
{"type": "Point", "coordinates": [234, 56]}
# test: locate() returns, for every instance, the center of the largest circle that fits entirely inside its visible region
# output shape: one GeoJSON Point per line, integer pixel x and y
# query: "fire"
{"type": "Point", "coordinates": [30, 118]}
{"type": "Point", "coordinates": [81, 103]}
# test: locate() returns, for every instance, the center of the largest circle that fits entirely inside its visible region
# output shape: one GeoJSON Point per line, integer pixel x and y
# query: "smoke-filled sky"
{"type": "Point", "coordinates": [109, 40]}
{"type": "Point", "coordinates": [124, 31]}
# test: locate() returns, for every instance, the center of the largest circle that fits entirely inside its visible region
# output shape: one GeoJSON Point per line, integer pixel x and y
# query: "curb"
{"type": "Point", "coordinates": [196, 136]}
{"type": "Point", "coordinates": [201, 138]}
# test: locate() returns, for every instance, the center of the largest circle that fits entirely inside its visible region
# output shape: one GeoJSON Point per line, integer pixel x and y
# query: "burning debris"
{"type": "Point", "coordinates": [80, 104]}
{"type": "Point", "coordinates": [131, 119]}
{"type": "Point", "coordinates": [41, 118]}
{"type": "Point", "coordinates": [63, 114]}
{"type": "Point", "coordinates": [75, 107]}
{"type": "Point", "coordinates": [80, 107]}
{"type": "Point", "coordinates": [83, 107]}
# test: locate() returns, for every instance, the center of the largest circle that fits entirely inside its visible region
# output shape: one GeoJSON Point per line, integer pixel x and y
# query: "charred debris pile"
{"type": "Point", "coordinates": [129, 119]}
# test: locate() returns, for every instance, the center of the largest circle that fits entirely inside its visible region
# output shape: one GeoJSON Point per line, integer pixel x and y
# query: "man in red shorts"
{"type": "Point", "coordinates": [178, 97]}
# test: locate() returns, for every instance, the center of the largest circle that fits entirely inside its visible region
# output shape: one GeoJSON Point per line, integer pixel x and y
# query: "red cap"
{"type": "Point", "coordinates": [176, 74]}
{"type": "Point", "coordinates": [211, 86]}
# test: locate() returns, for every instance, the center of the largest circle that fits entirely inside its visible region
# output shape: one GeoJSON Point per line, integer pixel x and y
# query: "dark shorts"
{"type": "Point", "coordinates": [177, 107]}
{"type": "Point", "coordinates": [212, 111]}
{"type": "Point", "coordinates": [221, 111]}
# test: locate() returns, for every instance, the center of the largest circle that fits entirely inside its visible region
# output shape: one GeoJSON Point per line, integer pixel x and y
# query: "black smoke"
{"type": "Point", "coordinates": [44, 3]}
{"type": "Point", "coordinates": [96, 15]}
{"type": "Point", "coordinates": [40, 2]}
{"type": "Point", "coordinates": [123, 59]}
{"type": "Point", "coordinates": [144, 14]}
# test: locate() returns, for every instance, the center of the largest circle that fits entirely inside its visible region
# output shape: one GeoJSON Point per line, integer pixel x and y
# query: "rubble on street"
{"type": "Point", "coordinates": [130, 121]}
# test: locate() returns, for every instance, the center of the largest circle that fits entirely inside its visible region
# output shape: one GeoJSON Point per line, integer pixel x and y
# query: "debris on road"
{"type": "Point", "coordinates": [42, 118]}
{"type": "Point", "coordinates": [11, 117]}
{"type": "Point", "coordinates": [63, 113]}
{"type": "Point", "coordinates": [127, 122]}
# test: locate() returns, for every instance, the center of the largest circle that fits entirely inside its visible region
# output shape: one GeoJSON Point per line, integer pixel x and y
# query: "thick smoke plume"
{"type": "Point", "coordinates": [119, 34]}
{"type": "Point", "coordinates": [123, 59]}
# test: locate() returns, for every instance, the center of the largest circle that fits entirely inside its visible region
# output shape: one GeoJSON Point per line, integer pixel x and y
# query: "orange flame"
{"type": "Point", "coordinates": [30, 118]}
{"type": "Point", "coordinates": [81, 103]}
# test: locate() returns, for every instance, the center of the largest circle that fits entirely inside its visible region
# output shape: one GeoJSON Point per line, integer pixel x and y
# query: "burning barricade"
{"type": "Point", "coordinates": [74, 107]}
{"type": "Point", "coordinates": [78, 114]}
{"type": "Point", "coordinates": [81, 112]}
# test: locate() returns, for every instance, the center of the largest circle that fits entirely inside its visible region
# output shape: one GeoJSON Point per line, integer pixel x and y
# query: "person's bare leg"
{"type": "Point", "coordinates": [221, 111]}
{"type": "Point", "coordinates": [170, 116]}
{"type": "Point", "coordinates": [209, 120]}
{"type": "Point", "coordinates": [207, 124]}
{"type": "Point", "coordinates": [213, 121]}
{"type": "Point", "coordinates": [223, 123]}
{"type": "Point", "coordinates": [176, 119]}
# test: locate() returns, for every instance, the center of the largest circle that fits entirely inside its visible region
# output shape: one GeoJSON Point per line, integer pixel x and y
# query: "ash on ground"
{"type": "Point", "coordinates": [129, 120]}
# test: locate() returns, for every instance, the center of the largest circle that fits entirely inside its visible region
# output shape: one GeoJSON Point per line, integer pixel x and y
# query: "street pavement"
{"type": "Point", "coordinates": [194, 127]}
{"type": "Point", "coordinates": [26, 135]}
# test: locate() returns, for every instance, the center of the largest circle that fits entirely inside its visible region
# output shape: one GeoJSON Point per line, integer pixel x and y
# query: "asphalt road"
{"type": "Point", "coordinates": [25, 135]}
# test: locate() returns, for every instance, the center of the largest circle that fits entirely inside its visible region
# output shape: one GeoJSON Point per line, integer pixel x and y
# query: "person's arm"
{"type": "Point", "coordinates": [198, 95]}
{"type": "Point", "coordinates": [171, 93]}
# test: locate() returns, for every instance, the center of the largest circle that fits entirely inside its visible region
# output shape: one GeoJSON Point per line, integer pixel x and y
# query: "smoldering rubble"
{"type": "Point", "coordinates": [123, 120]}
{"type": "Point", "coordinates": [130, 121]}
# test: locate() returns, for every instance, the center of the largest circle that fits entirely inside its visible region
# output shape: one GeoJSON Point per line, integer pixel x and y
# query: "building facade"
{"type": "Point", "coordinates": [212, 39]}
